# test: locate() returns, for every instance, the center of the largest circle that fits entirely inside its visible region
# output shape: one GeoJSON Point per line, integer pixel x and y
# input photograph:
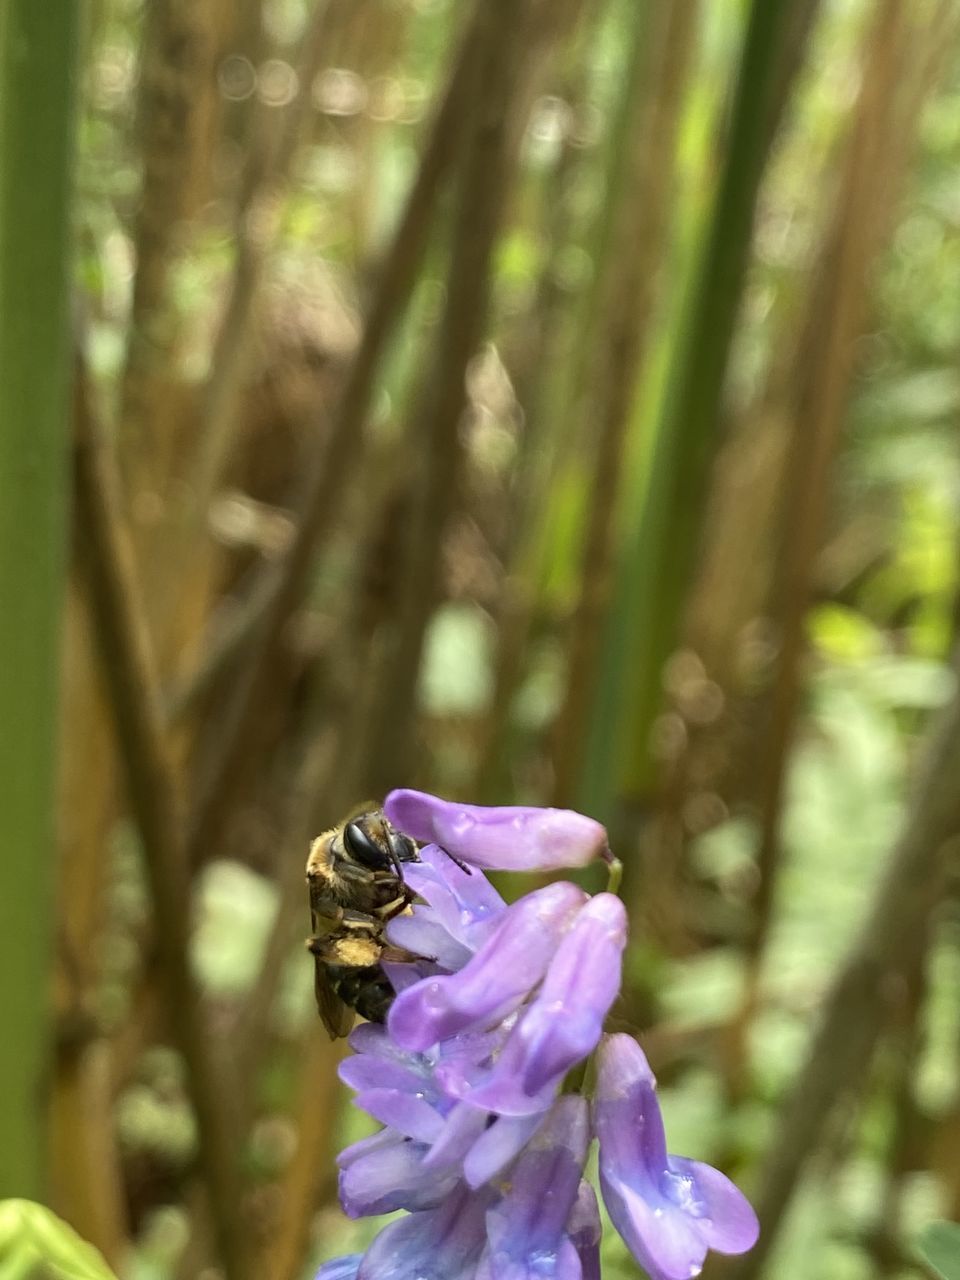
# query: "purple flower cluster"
{"type": "Point", "coordinates": [481, 1145]}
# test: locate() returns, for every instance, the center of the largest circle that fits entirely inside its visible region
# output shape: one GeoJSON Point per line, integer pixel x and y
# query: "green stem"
{"type": "Point", "coordinates": [37, 53]}
{"type": "Point", "coordinates": [658, 566]}
{"type": "Point", "coordinates": [614, 875]}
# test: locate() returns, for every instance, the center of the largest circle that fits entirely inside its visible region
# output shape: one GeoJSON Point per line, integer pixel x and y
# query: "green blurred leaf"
{"type": "Point", "coordinates": [844, 634]}
{"type": "Point", "coordinates": [236, 911]}
{"type": "Point", "coordinates": [456, 667]}
{"type": "Point", "coordinates": [35, 1242]}
{"type": "Point", "coordinates": [939, 1246]}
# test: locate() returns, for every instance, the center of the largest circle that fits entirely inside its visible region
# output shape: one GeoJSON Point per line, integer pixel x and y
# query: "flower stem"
{"type": "Point", "coordinates": [614, 875]}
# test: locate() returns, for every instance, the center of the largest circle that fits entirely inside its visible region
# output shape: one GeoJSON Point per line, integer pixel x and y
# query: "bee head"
{"type": "Point", "coordinates": [389, 851]}
{"type": "Point", "coordinates": [364, 849]}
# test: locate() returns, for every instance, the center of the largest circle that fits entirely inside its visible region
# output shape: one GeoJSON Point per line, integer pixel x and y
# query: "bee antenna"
{"type": "Point", "coordinates": [456, 861]}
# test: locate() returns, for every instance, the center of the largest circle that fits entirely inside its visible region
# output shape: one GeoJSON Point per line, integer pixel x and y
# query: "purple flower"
{"type": "Point", "coordinates": [480, 1146]}
{"type": "Point", "coordinates": [386, 1172]}
{"type": "Point", "coordinates": [496, 980]}
{"type": "Point", "coordinates": [344, 1268]}
{"type": "Point", "coordinates": [563, 1024]}
{"type": "Point", "coordinates": [585, 1229]}
{"type": "Point", "coordinates": [395, 1087]}
{"type": "Point", "coordinates": [528, 1229]}
{"type": "Point", "coordinates": [436, 1244]}
{"type": "Point", "coordinates": [509, 838]}
{"type": "Point", "coordinates": [458, 915]}
{"type": "Point", "coordinates": [668, 1210]}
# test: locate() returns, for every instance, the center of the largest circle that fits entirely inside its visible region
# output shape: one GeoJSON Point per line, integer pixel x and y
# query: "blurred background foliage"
{"type": "Point", "coordinates": [552, 401]}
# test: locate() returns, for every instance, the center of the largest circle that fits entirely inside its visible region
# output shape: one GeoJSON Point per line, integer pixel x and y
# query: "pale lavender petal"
{"type": "Point", "coordinates": [526, 1229]}
{"type": "Point", "coordinates": [422, 934]}
{"type": "Point", "coordinates": [668, 1210]}
{"type": "Point", "coordinates": [412, 1116]}
{"type": "Point", "coordinates": [439, 1244]}
{"type": "Point", "coordinates": [384, 1140]}
{"type": "Point", "coordinates": [498, 978]}
{"type": "Point", "coordinates": [563, 1263]}
{"type": "Point", "coordinates": [666, 1244]}
{"type": "Point", "coordinates": [513, 838]}
{"type": "Point", "coordinates": [461, 1129]}
{"type": "Point", "coordinates": [390, 1177]}
{"type": "Point", "coordinates": [498, 1146]}
{"type": "Point", "coordinates": [372, 1038]}
{"type": "Point", "coordinates": [544, 1182]}
{"type": "Point", "coordinates": [585, 1229]}
{"type": "Point", "coordinates": [626, 1112]}
{"type": "Point", "coordinates": [403, 974]}
{"type": "Point", "coordinates": [395, 1087]}
{"type": "Point", "coordinates": [565, 1021]}
{"type": "Point", "coordinates": [466, 904]}
{"type": "Point", "coordinates": [466, 1060]}
{"type": "Point", "coordinates": [344, 1268]}
{"type": "Point", "coordinates": [366, 1071]}
{"type": "Point", "coordinates": [728, 1222]}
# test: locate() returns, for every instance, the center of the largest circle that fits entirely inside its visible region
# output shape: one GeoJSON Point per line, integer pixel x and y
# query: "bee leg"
{"type": "Point", "coordinates": [399, 955]}
{"type": "Point", "coordinates": [350, 953]}
{"type": "Point", "coordinates": [396, 907]}
{"type": "Point", "coordinates": [358, 920]}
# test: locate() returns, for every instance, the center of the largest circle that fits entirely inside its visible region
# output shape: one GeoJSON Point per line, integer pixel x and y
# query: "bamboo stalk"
{"type": "Point", "coordinates": [638, 185]}
{"type": "Point", "coordinates": [658, 567]}
{"type": "Point", "coordinates": [177, 89]}
{"type": "Point", "coordinates": [38, 45]}
{"type": "Point", "coordinates": [128, 673]}
{"type": "Point", "coordinates": [551, 341]}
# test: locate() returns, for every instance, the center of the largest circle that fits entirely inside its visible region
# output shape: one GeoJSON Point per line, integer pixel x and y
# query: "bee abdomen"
{"type": "Point", "coordinates": [366, 990]}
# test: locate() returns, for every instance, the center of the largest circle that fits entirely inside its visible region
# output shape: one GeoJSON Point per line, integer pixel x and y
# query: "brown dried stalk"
{"type": "Point", "coordinates": [128, 674]}
{"type": "Point", "coordinates": [347, 426]}
{"type": "Point", "coordinates": [879, 151]}
{"type": "Point", "coordinates": [309, 1170]}
{"type": "Point", "coordinates": [437, 438]}
{"type": "Point", "coordinates": [265, 173]}
{"type": "Point", "coordinates": [856, 1008]}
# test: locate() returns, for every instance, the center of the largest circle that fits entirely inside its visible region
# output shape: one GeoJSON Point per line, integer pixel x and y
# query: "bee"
{"type": "Point", "coordinates": [355, 878]}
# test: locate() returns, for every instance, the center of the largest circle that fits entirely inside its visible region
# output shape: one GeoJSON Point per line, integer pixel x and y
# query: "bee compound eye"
{"type": "Point", "coordinates": [360, 846]}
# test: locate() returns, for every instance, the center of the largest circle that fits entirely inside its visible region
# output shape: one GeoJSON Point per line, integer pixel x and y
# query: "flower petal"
{"type": "Point", "coordinates": [463, 1126]}
{"type": "Point", "coordinates": [438, 1244]}
{"type": "Point", "coordinates": [498, 978]}
{"type": "Point", "coordinates": [512, 838]}
{"type": "Point", "coordinates": [668, 1210]}
{"type": "Point", "coordinates": [389, 1175]}
{"type": "Point", "coordinates": [424, 935]}
{"type": "Point", "coordinates": [585, 1229]}
{"type": "Point", "coordinates": [344, 1268]}
{"type": "Point", "coordinates": [665, 1242]}
{"type": "Point", "coordinates": [467, 905]}
{"type": "Point", "coordinates": [626, 1112]}
{"type": "Point", "coordinates": [564, 1023]}
{"type": "Point", "coordinates": [544, 1182]}
{"type": "Point", "coordinates": [729, 1223]}
{"type": "Point", "coordinates": [562, 1264]}
{"type": "Point", "coordinates": [412, 1116]}
{"type": "Point", "coordinates": [498, 1146]}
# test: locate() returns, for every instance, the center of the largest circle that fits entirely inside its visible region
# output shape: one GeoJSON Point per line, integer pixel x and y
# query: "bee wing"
{"type": "Point", "coordinates": [337, 1017]}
